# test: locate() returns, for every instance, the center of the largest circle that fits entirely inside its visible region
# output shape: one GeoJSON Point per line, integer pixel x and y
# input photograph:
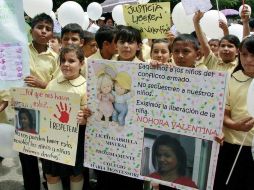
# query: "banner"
{"type": "Point", "coordinates": [137, 107]}
{"type": "Point", "coordinates": [46, 124]}
{"type": "Point", "coordinates": [152, 19]}
{"type": "Point", "coordinates": [14, 56]}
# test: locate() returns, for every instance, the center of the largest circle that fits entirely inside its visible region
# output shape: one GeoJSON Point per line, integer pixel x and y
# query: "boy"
{"type": "Point", "coordinates": [90, 45]}
{"type": "Point", "coordinates": [43, 64]}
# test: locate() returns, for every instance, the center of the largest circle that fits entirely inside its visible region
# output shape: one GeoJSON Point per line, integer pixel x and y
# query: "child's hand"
{"type": "Point", "coordinates": [32, 81]}
{"type": "Point", "coordinates": [155, 63]}
{"type": "Point", "coordinates": [220, 139]}
{"type": "Point", "coordinates": [80, 118]}
{"type": "Point", "coordinates": [170, 37]}
{"type": "Point", "coordinates": [222, 24]}
{"type": "Point", "coordinates": [245, 14]}
{"type": "Point", "coordinates": [244, 124]}
{"type": "Point", "coordinates": [3, 105]}
{"type": "Point", "coordinates": [197, 17]}
{"type": "Point", "coordinates": [87, 113]}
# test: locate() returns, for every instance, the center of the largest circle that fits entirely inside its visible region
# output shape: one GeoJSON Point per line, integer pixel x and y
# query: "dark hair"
{"type": "Point", "coordinates": [214, 40]}
{"type": "Point", "coordinates": [156, 41]}
{"type": "Point", "coordinates": [251, 23]}
{"type": "Point", "coordinates": [105, 33]}
{"type": "Point", "coordinates": [177, 149]}
{"type": "Point", "coordinates": [29, 115]}
{"type": "Point", "coordinates": [231, 39]}
{"type": "Point", "coordinates": [42, 17]}
{"type": "Point", "coordinates": [248, 44]}
{"type": "Point", "coordinates": [73, 28]}
{"type": "Point", "coordinates": [187, 38]}
{"type": "Point", "coordinates": [72, 48]}
{"type": "Point", "coordinates": [88, 36]}
{"type": "Point", "coordinates": [128, 34]}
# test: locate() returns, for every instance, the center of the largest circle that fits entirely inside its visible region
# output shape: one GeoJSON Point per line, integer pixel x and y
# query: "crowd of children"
{"type": "Point", "coordinates": [58, 63]}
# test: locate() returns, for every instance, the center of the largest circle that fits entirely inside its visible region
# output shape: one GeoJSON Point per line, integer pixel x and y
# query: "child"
{"type": "Point", "coordinates": [228, 49]}
{"type": "Point", "coordinates": [90, 45]}
{"type": "Point", "coordinates": [160, 52]}
{"type": "Point", "coordinates": [72, 34]}
{"type": "Point", "coordinates": [104, 89]}
{"type": "Point", "coordinates": [55, 43]}
{"type": "Point", "coordinates": [105, 40]}
{"type": "Point", "coordinates": [238, 124]}
{"type": "Point", "coordinates": [214, 46]}
{"type": "Point", "coordinates": [122, 94]}
{"type": "Point", "coordinates": [71, 61]}
{"type": "Point", "coordinates": [43, 65]}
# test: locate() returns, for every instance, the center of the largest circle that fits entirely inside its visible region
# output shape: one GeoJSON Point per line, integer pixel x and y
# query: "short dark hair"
{"type": "Point", "coordinates": [155, 41]}
{"type": "Point", "coordinates": [72, 48]}
{"type": "Point", "coordinates": [42, 17]}
{"type": "Point", "coordinates": [128, 34]}
{"type": "Point", "coordinates": [29, 115]}
{"type": "Point", "coordinates": [251, 23]}
{"type": "Point", "coordinates": [88, 36]}
{"type": "Point", "coordinates": [73, 28]}
{"type": "Point", "coordinates": [105, 33]}
{"type": "Point", "coordinates": [187, 38]}
{"type": "Point", "coordinates": [232, 39]}
{"type": "Point", "coordinates": [176, 147]}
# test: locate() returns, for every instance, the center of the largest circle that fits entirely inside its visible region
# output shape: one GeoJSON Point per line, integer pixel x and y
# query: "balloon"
{"type": "Point", "coordinates": [94, 11]}
{"type": "Point", "coordinates": [52, 15]}
{"type": "Point", "coordinates": [241, 8]}
{"type": "Point", "coordinates": [117, 15]}
{"type": "Point", "coordinates": [210, 24]}
{"type": "Point", "coordinates": [35, 7]}
{"type": "Point", "coordinates": [6, 140]}
{"type": "Point", "coordinates": [182, 22]}
{"type": "Point", "coordinates": [71, 12]}
{"type": "Point", "coordinates": [86, 21]}
{"type": "Point", "coordinates": [237, 30]}
{"type": "Point", "coordinates": [143, 1]}
{"type": "Point", "coordinates": [250, 99]}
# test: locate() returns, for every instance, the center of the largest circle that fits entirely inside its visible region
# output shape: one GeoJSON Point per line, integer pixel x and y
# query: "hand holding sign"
{"type": "Point", "coordinates": [64, 117]}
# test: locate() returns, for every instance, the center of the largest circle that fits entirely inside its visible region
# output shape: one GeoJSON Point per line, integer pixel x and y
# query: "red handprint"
{"type": "Point", "coordinates": [64, 117]}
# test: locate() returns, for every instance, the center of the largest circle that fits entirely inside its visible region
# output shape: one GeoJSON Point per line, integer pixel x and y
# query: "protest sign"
{"type": "Point", "coordinates": [14, 55]}
{"type": "Point", "coordinates": [46, 124]}
{"type": "Point", "coordinates": [191, 6]}
{"type": "Point", "coordinates": [143, 103]}
{"type": "Point", "coordinates": [152, 19]}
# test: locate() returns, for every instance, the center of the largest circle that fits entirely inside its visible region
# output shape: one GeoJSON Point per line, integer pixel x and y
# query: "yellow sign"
{"type": "Point", "coordinates": [152, 19]}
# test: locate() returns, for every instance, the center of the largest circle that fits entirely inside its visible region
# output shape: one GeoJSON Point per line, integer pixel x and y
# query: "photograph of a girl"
{"type": "Point", "coordinates": [170, 161]}
{"type": "Point", "coordinates": [26, 121]}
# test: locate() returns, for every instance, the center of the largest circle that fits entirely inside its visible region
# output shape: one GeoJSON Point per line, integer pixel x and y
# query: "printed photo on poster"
{"type": "Point", "coordinates": [27, 120]}
{"type": "Point", "coordinates": [186, 159]}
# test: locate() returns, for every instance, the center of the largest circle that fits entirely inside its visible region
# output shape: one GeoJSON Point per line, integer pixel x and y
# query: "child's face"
{"type": "Point", "coordinates": [247, 61]}
{"type": "Point", "coordinates": [127, 50]}
{"type": "Point", "coordinates": [70, 65]}
{"type": "Point", "coordinates": [184, 54]}
{"type": "Point", "coordinates": [71, 38]}
{"type": "Point", "coordinates": [54, 44]}
{"type": "Point", "coordinates": [160, 52]}
{"type": "Point", "coordinates": [106, 87]}
{"type": "Point", "coordinates": [227, 51]}
{"type": "Point", "coordinates": [119, 90]}
{"type": "Point", "coordinates": [24, 121]}
{"type": "Point", "coordinates": [90, 48]}
{"type": "Point", "coordinates": [42, 32]}
{"type": "Point", "coordinates": [214, 45]}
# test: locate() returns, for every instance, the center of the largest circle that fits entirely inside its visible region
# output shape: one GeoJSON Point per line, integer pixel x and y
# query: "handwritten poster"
{"type": "Point", "coordinates": [152, 19]}
{"type": "Point", "coordinates": [14, 56]}
{"type": "Point", "coordinates": [136, 106]}
{"type": "Point", "coordinates": [192, 6]}
{"type": "Point", "coordinates": [46, 124]}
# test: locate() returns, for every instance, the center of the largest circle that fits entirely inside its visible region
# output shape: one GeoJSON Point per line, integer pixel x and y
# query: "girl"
{"type": "Point", "coordinates": [71, 61]}
{"type": "Point", "coordinates": [237, 125]}
{"type": "Point", "coordinates": [104, 89]}
{"type": "Point", "coordinates": [26, 121]}
{"type": "Point", "coordinates": [160, 52]}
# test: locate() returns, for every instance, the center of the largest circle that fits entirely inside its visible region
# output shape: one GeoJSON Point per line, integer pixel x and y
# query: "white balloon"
{"type": "Point", "coordinates": [250, 99]}
{"type": "Point", "coordinates": [86, 21]}
{"type": "Point", "coordinates": [35, 7]}
{"type": "Point", "coordinates": [52, 15]}
{"type": "Point", "coordinates": [237, 30]}
{"type": "Point", "coordinates": [71, 12]}
{"type": "Point", "coordinates": [210, 24]}
{"type": "Point", "coordinates": [182, 22]}
{"type": "Point", "coordinates": [6, 141]}
{"type": "Point", "coordinates": [241, 8]}
{"type": "Point", "coordinates": [143, 1]}
{"type": "Point", "coordinates": [94, 11]}
{"type": "Point", "coordinates": [117, 15]}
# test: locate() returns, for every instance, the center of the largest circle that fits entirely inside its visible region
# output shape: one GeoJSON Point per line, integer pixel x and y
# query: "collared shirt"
{"type": "Point", "coordinates": [237, 105]}
{"type": "Point", "coordinates": [76, 86]}
{"type": "Point", "coordinates": [43, 65]}
{"type": "Point", "coordinates": [116, 58]}
{"type": "Point", "coordinates": [214, 63]}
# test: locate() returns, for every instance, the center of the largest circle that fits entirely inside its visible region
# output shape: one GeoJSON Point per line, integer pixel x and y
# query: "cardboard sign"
{"type": "Point", "coordinates": [134, 104]}
{"type": "Point", "coordinates": [152, 19]}
{"type": "Point", "coordinates": [46, 124]}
